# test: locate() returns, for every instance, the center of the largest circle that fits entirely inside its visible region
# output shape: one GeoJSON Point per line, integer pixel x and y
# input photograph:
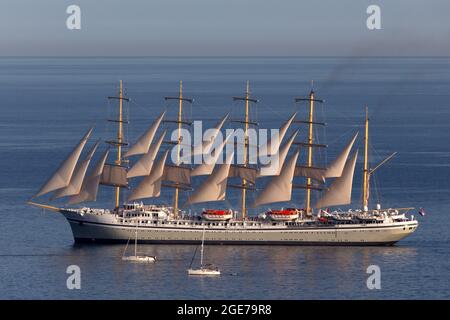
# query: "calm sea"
{"type": "Point", "coordinates": [48, 103]}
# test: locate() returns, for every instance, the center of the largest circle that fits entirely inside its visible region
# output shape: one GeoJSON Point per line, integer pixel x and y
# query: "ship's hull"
{"type": "Point", "coordinates": [104, 229]}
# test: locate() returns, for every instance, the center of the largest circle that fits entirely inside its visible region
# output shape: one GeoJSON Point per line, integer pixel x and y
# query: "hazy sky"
{"type": "Point", "coordinates": [224, 28]}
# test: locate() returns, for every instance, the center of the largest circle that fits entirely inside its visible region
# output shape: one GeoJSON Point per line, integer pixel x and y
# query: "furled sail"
{"type": "Point", "coordinates": [337, 166]}
{"type": "Point", "coordinates": [61, 178]}
{"type": "Point", "coordinates": [150, 186]}
{"type": "Point", "coordinates": [76, 181]}
{"type": "Point", "coordinates": [280, 187]}
{"type": "Point", "coordinates": [340, 191]}
{"type": "Point", "coordinates": [177, 174]}
{"type": "Point", "coordinates": [205, 146]}
{"type": "Point", "coordinates": [332, 171]}
{"type": "Point", "coordinates": [208, 167]}
{"type": "Point", "coordinates": [144, 142]}
{"type": "Point", "coordinates": [90, 184]}
{"type": "Point", "coordinates": [271, 147]}
{"type": "Point", "coordinates": [247, 173]}
{"type": "Point", "coordinates": [114, 175]}
{"type": "Point", "coordinates": [143, 166]}
{"type": "Point", "coordinates": [215, 186]}
{"type": "Point", "coordinates": [274, 168]}
{"type": "Point", "coordinates": [317, 174]}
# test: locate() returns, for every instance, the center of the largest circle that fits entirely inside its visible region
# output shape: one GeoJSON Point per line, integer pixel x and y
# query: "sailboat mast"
{"type": "Point", "coordinates": [119, 140]}
{"type": "Point", "coordinates": [180, 113]}
{"type": "Point", "coordinates": [135, 240]}
{"type": "Point", "coordinates": [310, 149]}
{"type": "Point", "coordinates": [244, 182]}
{"type": "Point", "coordinates": [365, 199]}
{"type": "Point", "coordinates": [201, 251]}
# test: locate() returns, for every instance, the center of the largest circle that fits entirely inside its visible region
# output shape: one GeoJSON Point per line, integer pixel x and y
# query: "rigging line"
{"type": "Point", "coordinates": [342, 136]}
{"type": "Point", "coordinates": [228, 204]}
{"type": "Point", "coordinates": [195, 252]}
{"type": "Point", "coordinates": [374, 176]}
{"type": "Point", "coordinates": [145, 109]}
{"type": "Point", "coordinates": [109, 115]}
{"type": "Point", "coordinates": [376, 187]}
{"type": "Point", "coordinates": [317, 139]}
{"type": "Point", "coordinates": [205, 108]}
{"type": "Point", "coordinates": [272, 110]}
{"type": "Point", "coordinates": [374, 151]}
{"type": "Point", "coordinates": [324, 131]}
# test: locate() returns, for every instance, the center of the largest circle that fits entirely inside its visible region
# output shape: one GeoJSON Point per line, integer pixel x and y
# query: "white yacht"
{"type": "Point", "coordinates": [205, 269]}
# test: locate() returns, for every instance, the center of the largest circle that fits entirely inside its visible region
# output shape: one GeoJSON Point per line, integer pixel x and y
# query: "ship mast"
{"type": "Point", "coordinates": [244, 182]}
{"type": "Point", "coordinates": [311, 99]}
{"type": "Point", "coordinates": [119, 143]}
{"type": "Point", "coordinates": [179, 122]}
{"type": "Point", "coordinates": [119, 139]}
{"type": "Point", "coordinates": [366, 173]}
{"type": "Point", "coordinates": [247, 99]}
{"type": "Point", "coordinates": [180, 112]}
{"type": "Point", "coordinates": [310, 150]}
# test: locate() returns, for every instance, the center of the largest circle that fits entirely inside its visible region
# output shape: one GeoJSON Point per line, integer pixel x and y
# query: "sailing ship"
{"type": "Point", "coordinates": [321, 223]}
{"type": "Point", "coordinates": [205, 269]}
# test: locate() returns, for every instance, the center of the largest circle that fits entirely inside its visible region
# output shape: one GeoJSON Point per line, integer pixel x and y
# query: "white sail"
{"type": "Point", "coordinates": [274, 168]}
{"type": "Point", "coordinates": [340, 191]}
{"type": "Point", "coordinates": [271, 147]}
{"type": "Point", "coordinates": [150, 186]}
{"type": "Point", "coordinates": [337, 166]}
{"type": "Point", "coordinates": [61, 178]}
{"type": "Point", "coordinates": [143, 166]}
{"type": "Point", "coordinates": [76, 181]}
{"type": "Point", "coordinates": [90, 184]}
{"type": "Point", "coordinates": [215, 186]}
{"type": "Point", "coordinates": [208, 167]}
{"type": "Point", "coordinates": [279, 189]}
{"type": "Point", "coordinates": [144, 142]}
{"type": "Point", "coordinates": [205, 146]}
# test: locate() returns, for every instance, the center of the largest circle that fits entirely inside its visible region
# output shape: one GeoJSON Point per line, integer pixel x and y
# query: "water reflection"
{"type": "Point", "coordinates": [285, 272]}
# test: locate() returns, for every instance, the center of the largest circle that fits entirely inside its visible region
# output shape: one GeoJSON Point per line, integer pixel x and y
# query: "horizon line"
{"type": "Point", "coordinates": [217, 56]}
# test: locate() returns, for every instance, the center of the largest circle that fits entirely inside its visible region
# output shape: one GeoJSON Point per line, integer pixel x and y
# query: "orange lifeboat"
{"type": "Point", "coordinates": [283, 214]}
{"type": "Point", "coordinates": [217, 215]}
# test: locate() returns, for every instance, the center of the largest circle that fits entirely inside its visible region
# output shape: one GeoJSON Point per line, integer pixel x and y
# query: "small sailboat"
{"type": "Point", "coordinates": [205, 269]}
{"type": "Point", "coordinates": [136, 258]}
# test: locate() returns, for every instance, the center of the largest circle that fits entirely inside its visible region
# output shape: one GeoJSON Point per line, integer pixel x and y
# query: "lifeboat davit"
{"type": "Point", "coordinates": [217, 215]}
{"type": "Point", "coordinates": [283, 214]}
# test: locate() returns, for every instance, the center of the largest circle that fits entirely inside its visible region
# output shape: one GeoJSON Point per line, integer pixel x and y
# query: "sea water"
{"type": "Point", "coordinates": [48, 103]}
